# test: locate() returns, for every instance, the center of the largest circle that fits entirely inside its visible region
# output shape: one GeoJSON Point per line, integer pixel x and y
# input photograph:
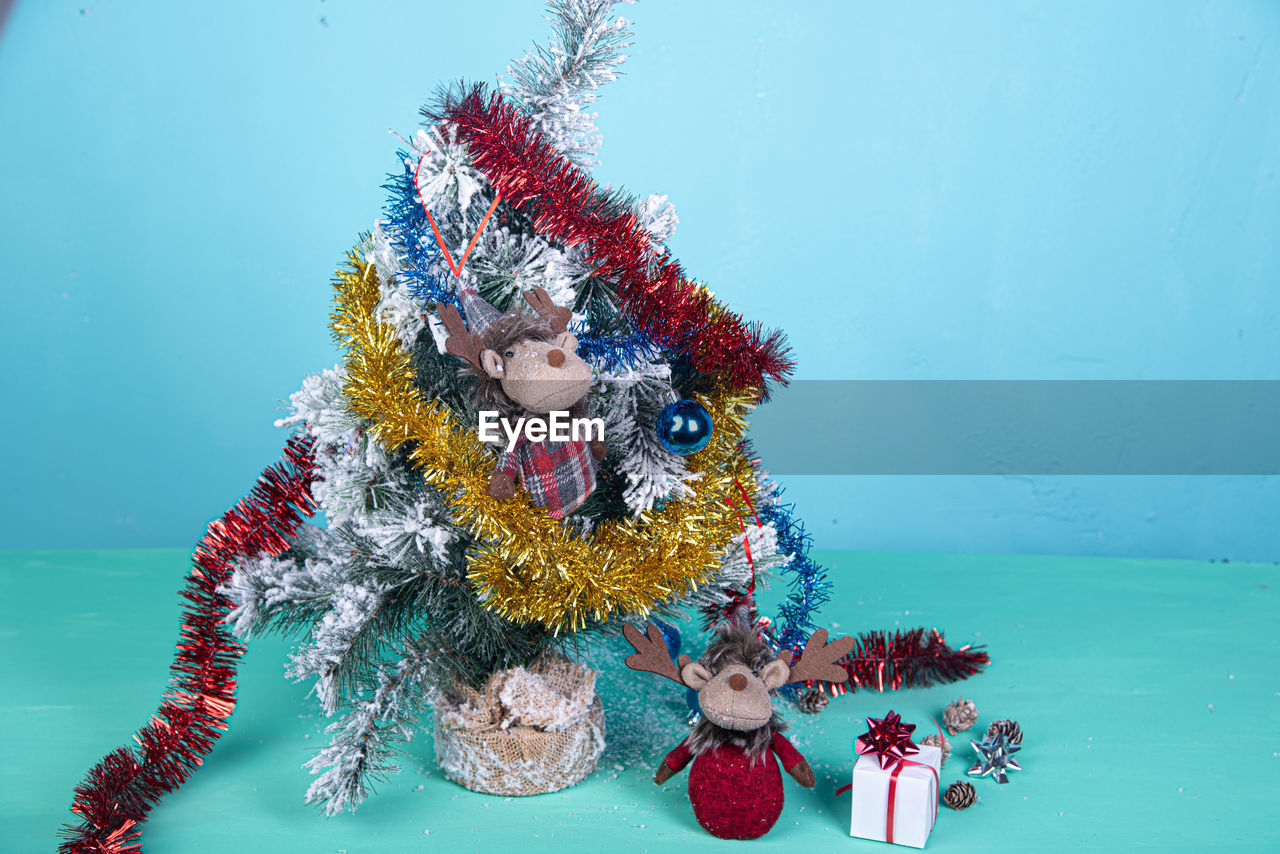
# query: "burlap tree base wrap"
{"type": "Point", "coordinates": [528, 732]}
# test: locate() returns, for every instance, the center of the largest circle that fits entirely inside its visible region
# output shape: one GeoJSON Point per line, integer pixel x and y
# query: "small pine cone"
{"type": "Point", "coordinates": [1012, 732]}
{"type": "Point", "coordinates": [959, 716]}
{"type": "Point", "coordinates": [959, 795]}
{"type": "Point", "coordinates": [939, 741]}
{"type": "Point", "coordinates": [813, 701]}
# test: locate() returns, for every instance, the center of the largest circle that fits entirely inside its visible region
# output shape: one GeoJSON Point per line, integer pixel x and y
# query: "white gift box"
{"type": "Point", "coordinates": [915, 804]}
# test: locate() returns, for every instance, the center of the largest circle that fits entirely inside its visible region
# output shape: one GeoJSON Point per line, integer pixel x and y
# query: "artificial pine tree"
{"type": "Point", "coordinates": [386, 596]}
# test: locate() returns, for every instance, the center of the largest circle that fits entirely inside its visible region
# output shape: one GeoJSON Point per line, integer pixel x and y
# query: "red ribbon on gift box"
{"type": "Point", "coordinates": [893, 791]}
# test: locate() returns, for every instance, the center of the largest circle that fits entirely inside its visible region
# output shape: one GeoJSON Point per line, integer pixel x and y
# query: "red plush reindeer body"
{"type": "Point", "coordinates": [735, 785]}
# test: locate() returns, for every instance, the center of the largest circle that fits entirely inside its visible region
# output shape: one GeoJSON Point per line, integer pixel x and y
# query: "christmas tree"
{"type": "Point", "coordinates": [422, 582]}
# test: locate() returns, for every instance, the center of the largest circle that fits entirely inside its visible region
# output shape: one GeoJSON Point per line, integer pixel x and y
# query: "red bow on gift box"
{"type": "Point", "coordinates": [888, 737]}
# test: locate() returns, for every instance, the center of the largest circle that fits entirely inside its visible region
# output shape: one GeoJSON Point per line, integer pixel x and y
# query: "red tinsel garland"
{"type": "Point", "coordinates": [121, 789]}
{"type": "Point", "coordinates": [566, 205]}
{"type": "Point", "coordinates": [916, 658]}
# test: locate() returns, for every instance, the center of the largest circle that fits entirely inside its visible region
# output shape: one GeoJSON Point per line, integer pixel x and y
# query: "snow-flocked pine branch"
{"type": "Point", "coordinates": [557, 83]}
{"type": "Point", "coordinates": [629, 402]}
{"type": "Point", "coordinates": [366, 737]}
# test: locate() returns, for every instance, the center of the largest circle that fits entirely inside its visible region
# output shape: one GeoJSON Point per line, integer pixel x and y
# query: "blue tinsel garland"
{"type": "Point", "coordinates": [411, 235]}
{"type": "Point", "coordinates": [808, 581]}
{"type": "Point", "coordinates": [613, 352]}
{"type": "Point", "coordinates": [808, 586]}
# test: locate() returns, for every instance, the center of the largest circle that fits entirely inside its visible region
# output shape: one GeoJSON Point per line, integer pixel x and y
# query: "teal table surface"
{"type": "Point", "coordinates": [1148, 691]}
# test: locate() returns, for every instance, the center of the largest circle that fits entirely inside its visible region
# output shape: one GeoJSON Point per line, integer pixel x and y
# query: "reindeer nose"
{"type": "Point", "coordinates": [555, 358]}
{"type": "Point", "coordinates": [737, 682]}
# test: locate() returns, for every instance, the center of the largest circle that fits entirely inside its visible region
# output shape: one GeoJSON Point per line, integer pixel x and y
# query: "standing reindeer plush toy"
{"type": "Point", "coordinates": [526, 366]}
{"type": "Point", "coordinates": [735, 785]}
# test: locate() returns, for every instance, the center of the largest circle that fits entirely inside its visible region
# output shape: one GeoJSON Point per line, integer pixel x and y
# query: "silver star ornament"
{"type": "Point", "coordinates": [995, 757]}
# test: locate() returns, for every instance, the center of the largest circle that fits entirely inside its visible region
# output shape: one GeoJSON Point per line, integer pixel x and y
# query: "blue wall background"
{"type": "Point", "coordinates": [1082, 190]}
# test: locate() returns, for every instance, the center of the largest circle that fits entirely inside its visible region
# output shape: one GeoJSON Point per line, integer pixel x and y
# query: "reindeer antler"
{"type": "Point", "coordinates": [651, 654]}
{"type": "Point", "coordinates": [818, 661]}
{"type": "Point", "coordinates": [461, 342]}
{"type": "Point", "coordinates": [558, 316]}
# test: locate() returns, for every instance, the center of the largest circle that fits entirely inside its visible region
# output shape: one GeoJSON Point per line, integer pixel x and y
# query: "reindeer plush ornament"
{"type": "Point", "coordinates": [735, 785]}
{"type": "Point", "coordinates": [526, 366]}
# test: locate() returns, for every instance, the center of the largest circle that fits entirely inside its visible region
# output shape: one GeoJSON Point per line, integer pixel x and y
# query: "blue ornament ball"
{"type": "Point", "coordinates": [684, 427]}
{"type": "Point", "coordinates": [671, 635]}
{"type": "Point", "coordinates": [691, 700]}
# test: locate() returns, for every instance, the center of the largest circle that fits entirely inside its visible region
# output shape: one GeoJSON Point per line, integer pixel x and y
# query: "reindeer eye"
{"type": "Point", "coordinates": [511, 354]}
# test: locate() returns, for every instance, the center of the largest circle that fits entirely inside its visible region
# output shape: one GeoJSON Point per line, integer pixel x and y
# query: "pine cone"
{"type": "Point", "coordinates": [959, 715]}
{"type": "Point", "coordinates": [959, 795]}
{"type": "Point", "coordinates": [813, 701]}
{"type": "Point", "coordinates": [1012, 732]}
{"type": "Point", "coordinates": [939, 741]}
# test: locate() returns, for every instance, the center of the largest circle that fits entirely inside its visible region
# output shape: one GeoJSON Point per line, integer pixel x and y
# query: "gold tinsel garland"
{"type": "Point", "coordinates": [527, 566]}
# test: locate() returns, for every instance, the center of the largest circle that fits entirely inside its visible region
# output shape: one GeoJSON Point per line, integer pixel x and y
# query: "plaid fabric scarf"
{"type": "Point", "coordinates": [558, 475]}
